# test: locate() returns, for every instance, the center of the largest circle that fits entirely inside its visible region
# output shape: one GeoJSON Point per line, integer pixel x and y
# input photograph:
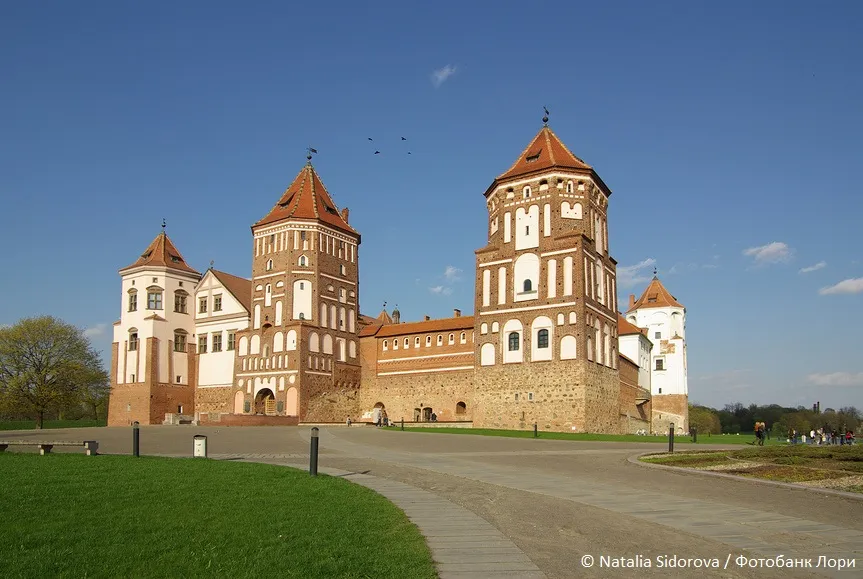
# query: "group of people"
{"type": "Point", "coordinates": [760, 433]}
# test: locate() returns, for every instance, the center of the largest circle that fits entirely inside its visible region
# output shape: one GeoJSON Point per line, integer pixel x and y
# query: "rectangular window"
{"type": "Point", "coordinates": [133, 342]}
{"type": "Point", "coordinates": [657, 335]}
{"type": "Point", "coordinates": [217, 342]}
{"type": "Point", "coordinates": [131, 378]}
{"type": "Point", "coordinates": [660, 364]}
{"type": "Point", "coordinates": [133, 302]}
{"type": "Point", "coordinates": [217, 303]}
{"type": "Point", "coordinates": [179, 380]}
{"type": "Point", "coordinates": [180, 303]}
{"type": "Point", "coordinates": [527, 229]}
{"type": "Point", "coordinates": [232, 338]}
{"type": "Point", "coordinates": [303, 235]}
{"type": "Point", "coordinates": [179, 342]}
{"type": "Point", "coordinates": [202, 305]}
{"type": "Point", "coordinates": [202, 344]}
{"type": "Point", "coordinates": [154, 300]}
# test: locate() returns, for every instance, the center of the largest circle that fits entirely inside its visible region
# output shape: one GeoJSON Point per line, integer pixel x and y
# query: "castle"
{"type": "Point", "coordinates": [546, 344]}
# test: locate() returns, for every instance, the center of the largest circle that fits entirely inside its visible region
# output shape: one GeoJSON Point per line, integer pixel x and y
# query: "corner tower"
{"type": "Point", "coordinates": [665, 321]}
{"type": "Point", "coordinates": [546, 318]}
{"type": "Point", "coordinates": [153, 362]}
{"type": "Point", "coordinates": [299, 358]}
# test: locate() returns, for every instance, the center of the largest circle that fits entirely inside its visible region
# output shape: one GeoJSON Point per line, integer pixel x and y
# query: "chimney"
{"type": "Point", "coordinates": [427, 318]}
{"type": "Point", "coordinates": [345, 214]}
{"type": "Point", "coordinates": [456, 313]}
{"type": "Point", "coordinates": [631, 300]}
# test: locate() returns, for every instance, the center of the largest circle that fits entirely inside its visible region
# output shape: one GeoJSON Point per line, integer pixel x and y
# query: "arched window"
{"type": "Point", "coordinates": [386, 345]}
{"type": "Point", "coordinates": [269, 264]}
{"type": "Point", "coordinates": [407, 343]}
{"type": "Point", "coordinates": [440, 340]}
{"type": "Point", "coordinates": [303, 262]}
{"type": "Point", "coordinates": [463, 338]}
{"type": "Point", "coordinates": [542, 339]}
{"type": "Point", "coordinates": [460, 408]}
{"type": "Point", "coordinates": [417, 342]}
{"type": "Point", "coordinates": [527, 285]}
{"type": "Point", "coordinates": [513, 341]}
{"type": "Point", "coordinates": [451, 339]}
{"type": "Point", "coordinates": [428, 340]}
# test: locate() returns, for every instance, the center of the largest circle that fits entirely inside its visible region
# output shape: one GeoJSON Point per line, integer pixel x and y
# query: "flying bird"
{"type": "Point", "coordinates": [403, 139]}
{"type": "Point", "coordinates": [371, 139]}
{"type": "Point", "coordinates": [377, 152]}
{"type": "Point", "coordinates": [409, 152]}
{"type": "Point", "coordinates": [546, 110]}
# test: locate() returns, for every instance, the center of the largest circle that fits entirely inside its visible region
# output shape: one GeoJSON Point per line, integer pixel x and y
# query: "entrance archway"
{"type": "Point", "coordinates": [265, 402]}
{"type": "Point", "coordinates": [427, 412]}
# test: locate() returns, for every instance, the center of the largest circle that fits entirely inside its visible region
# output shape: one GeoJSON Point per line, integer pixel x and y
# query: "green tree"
{"type": "Point", "coordinates": [704, 419]}
{"type": "Point", "coordinates": [45, 364]}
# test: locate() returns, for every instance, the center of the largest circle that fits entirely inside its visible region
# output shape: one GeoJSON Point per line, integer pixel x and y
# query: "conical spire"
{"type": "Point", "coordinates": [544, 152]}
{"type": "Point", "coordinates": [307, 198]}
{"type": "Point", "coordinates": [655, 296]}
{"type": "Point", "coordinates": [162, 253]}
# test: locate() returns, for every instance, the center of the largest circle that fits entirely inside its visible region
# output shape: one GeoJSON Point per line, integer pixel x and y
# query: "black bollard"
{"type": "Point", "coordinates": [313, 453]}
{"type": "Point", "coordinates": [136, 439]}
{"type": "Point", "coordinates": [535, 433]}
{"type": "Point", "coordinates": [403, 422]}
{"type": "Point", "coordinates": [671, 438]}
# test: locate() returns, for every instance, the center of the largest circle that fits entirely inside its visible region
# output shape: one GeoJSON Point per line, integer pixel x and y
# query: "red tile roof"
{"type": "Point", "coordinates": [625, 328]}
{"type": "Point", "coordinates": [307, 198]}
{"type": "Point", "coordinates": [544, 152]}
{"type": "Point", "coordinates": [162, 253]}
{"type": "Point", "coordinates": [240, 287]}
{"type": "Point", "coordinates": [384, 317]}
{"type": "Point", "coordinates": [655, 296]}
{"type": "Point", "coordinates": [426, 327]}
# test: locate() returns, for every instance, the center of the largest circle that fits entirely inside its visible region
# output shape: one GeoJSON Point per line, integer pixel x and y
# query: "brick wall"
{"type": "Point", "coordinates": [402, 394]}
{"type": "Point", "coordinates": [670, 408]}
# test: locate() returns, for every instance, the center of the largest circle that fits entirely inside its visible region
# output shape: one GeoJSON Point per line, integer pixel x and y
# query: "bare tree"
{"type": "Point", "coordinates": [45, 363]}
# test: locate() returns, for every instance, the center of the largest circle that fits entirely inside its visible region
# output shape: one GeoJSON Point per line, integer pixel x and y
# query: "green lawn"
{"type": "Point", "coordinates": [702, 438]}
{"type": "Point", "coordinates": [31, 424]}
{"type": "Point", "coordinates": [69, 515]}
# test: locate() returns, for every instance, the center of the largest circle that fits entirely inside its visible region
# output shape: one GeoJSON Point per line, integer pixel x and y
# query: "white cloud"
{"type": "Point", "coordinates": [96, 331]}
{"type": "Point", "coordinates": [441, 290]}
{"type": "Point", "coordinates": [451, 273]}
{"type": "Point", "coordinates": [630, 275]}
{"type": "Point", "coordinates": [848, 286]}
{"type": "Point", "coordinates": [440, 76]}
{"type": "Point", "coordinates": [816, 267]}
{"type": "Point", "coordinates": [775, 252]}
{"type": "Point", "coordinates": [837, 379]}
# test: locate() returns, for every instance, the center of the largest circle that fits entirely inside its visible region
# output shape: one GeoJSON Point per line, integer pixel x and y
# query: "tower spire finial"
{"type": "Point", "coordinates": [212, 263]}
{"type": "Point", "coordinates": [654, 272]}
{"type": "Point", "coordinates": [164, 224]}
{"type": "Point", "coordinates": [545, 117]}
{"type": "Point", "coordinates": [309, 152]}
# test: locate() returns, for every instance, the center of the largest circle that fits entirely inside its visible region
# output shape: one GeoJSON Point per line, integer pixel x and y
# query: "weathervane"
{"type": "Point", "coordinates": [385, 305]}
{"type": "Point", "coordinates": [545, 117]}
{"type": "Point", "coordinates": [309, 152]}
{"type": "Point", "coordinates": [212, 263]}
{"type": "Point", "coordinates": [163, 224]}
{"type": "Point", "coordinates": [654, 271]}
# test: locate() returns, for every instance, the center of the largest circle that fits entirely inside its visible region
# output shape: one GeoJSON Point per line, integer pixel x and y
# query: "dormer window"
{"type": "Point", "coordinates": [533, 156]}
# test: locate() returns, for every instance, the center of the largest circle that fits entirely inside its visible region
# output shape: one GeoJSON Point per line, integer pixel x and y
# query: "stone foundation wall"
{"type": "Point", "coordinates": [167, 398]}
{"type": "Point", "coordinates": [330, 398]}
{"type": "Point", "coordinates": [216, 399]}
{"type": "Point", "coordinates": [567, 396]}
{"type": "Point", "coordinates": [404, 394]}
{"type": "Point", "coordinates": [670, 408]}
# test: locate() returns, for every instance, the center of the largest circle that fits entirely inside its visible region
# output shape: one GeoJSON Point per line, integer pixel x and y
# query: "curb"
{"type": "Point", "coordinates": [635, 459]}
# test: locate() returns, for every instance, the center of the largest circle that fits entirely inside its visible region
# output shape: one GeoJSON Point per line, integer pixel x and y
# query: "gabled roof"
{"type": "Point", "coordinates": [655, 296]}
{"type": "Point", "coordinates": [239, 287]}
{"type": "Point", "coordinates": [626, 328]}
{"type": "Point", "coordinates": [544, 152]}
{"type": "Point", "coordinates": [370, 329]}
{"type": "Point", "coordinates": [162, 253]}
{"type": "Point", "coordinates": [307, 198]}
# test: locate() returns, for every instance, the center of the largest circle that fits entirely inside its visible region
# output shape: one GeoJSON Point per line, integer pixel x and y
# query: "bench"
{"type": "Point", "coordinates": [91, 446]}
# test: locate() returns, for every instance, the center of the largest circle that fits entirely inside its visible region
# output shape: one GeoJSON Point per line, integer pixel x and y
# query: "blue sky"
{"type": "Point", "coordinates": [728, 133]}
